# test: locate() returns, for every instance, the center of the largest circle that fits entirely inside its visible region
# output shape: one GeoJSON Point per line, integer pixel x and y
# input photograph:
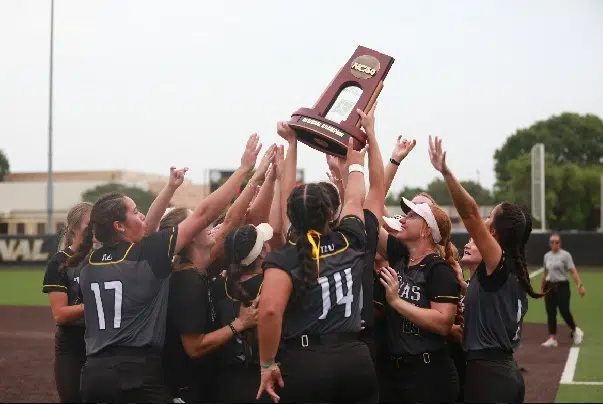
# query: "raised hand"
{"type": "Point", "coordinates": [250, 155]}
{"type": "Point", "coordinates": [368, 120]}
{"type": "Point", "coordinates": [279, 161]}
{"type": "Point", "coordinates": [284, 130]}
{"type": "Point", "coordinates": [266, 160]}
{"type": "Point", "coordinates": [176, 177]}
{"type": "Point", "coordinates": [437, 156]}
{"type": "Point", "coordinates": [402, 148]}
{"type": "Point", "coordinates": [353, 156]}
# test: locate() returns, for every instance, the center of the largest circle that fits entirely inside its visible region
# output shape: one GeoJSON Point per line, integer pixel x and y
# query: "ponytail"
{"type": "Point", "coordinates": [82, 251]}
{"type": "Point", "coordinates": [449, 253]}
{"type": "Point", "coordinates": [234, 272]}
{"type": "Point", "coordinates": [309, 269]}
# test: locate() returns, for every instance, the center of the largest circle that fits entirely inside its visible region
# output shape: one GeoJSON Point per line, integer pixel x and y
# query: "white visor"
{"type": "Point", "coordinates": [264, 233]}
{"type": "Point", "coordinates": [424, 210]}
{"type": "Point", "coordinates": [393, 222]}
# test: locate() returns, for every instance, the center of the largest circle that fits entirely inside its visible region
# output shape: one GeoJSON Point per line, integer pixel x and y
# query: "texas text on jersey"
{"type": "Point", "coordinates": [334, 303]}
{"type": "Point", "coordinates": [431, 280]}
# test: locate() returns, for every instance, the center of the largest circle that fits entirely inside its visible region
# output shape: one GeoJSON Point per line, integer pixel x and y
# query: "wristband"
{"type": "Point", "coordinates": [394, 162]}
{"type": "Point", "coordinates": [356, 168]}
{"type": "Point", "coordinates": [234, 331]}
{"type": "Point", "coordinates": [266, 365]}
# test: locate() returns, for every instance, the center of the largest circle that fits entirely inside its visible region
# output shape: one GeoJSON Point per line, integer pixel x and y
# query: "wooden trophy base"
{"type": "Point", "coordinates": [323, 135]}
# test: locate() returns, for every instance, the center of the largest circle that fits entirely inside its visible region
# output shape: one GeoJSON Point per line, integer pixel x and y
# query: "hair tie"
{"type": "Point", "coordinates": [315, 247]}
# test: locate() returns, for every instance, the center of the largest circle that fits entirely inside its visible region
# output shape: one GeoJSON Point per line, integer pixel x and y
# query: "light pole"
{"type": "Point", "coordinates": [49, 186]}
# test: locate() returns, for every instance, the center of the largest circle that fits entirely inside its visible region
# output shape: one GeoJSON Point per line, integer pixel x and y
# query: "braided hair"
{"type": "Point", "coordinates": [308, 208]}
{"type": "Point", "coordinates": [237, 245]}
{"type": "Point", "coordinates": [513, 225]}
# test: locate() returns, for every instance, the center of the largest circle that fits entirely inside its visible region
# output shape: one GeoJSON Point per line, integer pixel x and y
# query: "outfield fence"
{"type": "Point", "coordinates": [585, 247]}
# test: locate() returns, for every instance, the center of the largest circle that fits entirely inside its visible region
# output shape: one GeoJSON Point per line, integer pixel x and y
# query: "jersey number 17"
{"type": "Point", "coordinates": [117, 287]}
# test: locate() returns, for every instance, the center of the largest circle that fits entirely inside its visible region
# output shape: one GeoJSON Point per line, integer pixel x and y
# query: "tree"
{"type": "Point", "coordinates": [143, 198]}
{"type": "Point", "coordinates": [439, 191]}
{"type": "Point", "coordinates": [574, 153]}
{"type": "Point", "coordinates": [409, 193]}
{"type": "Point", "coordinates": [4, 165]}
{"type": "Point", "coordinates": [567, 137]}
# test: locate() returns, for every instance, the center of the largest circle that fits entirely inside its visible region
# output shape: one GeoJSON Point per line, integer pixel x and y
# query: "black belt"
{"type": "Point", "coordinates": [489, 354]}
{"type": "Point", "coordinates": [307, 340]}
{"type": "Point", "coordinates": [425, 357]}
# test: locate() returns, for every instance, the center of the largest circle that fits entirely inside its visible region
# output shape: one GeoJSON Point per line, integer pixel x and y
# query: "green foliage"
{"type": "Point", "coordinates": [4, 165]}
{"type": "Point", "coordinates": [142, 198]}
{"type": "Point", "coordinates": [574, 153]}
{"type": "Point", "coordinates": [439, 191]}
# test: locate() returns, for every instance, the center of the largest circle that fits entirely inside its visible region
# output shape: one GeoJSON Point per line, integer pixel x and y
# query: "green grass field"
{"type": "Point", "coordinates": [586, 312]}
{"type": "Point", "coordinates": [23, 287]}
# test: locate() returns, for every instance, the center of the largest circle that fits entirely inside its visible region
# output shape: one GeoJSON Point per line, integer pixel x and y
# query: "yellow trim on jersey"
{"type": "Point", "coordinates": [170, 243]}
{"type": "Point", "coordinates": [382, 304]}
{"type": "Point", "coordinates": [63, 251]}
{"type": "Point", "coordinates": [446, 297]}
{"type": "Point", "coordinates": [110, 262]}
{"type": "Point", "coordinates": [237, 300]}
{"type": "Point", "coordinates": [54, 286]}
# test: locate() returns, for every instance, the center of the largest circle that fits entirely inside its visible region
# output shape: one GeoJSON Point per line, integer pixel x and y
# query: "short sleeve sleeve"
{"type": "Point", "coordinates": [158, 250]}
{"type": "Point", "coordinates": [494, 281]}
{"type": "Point", "coordinates": [54, 279]}
{"type": "Point", "coordinates": [353, 229]}
{"type": "Point", "coordinates": [395, 250]}
{"type": "Point", "coordinates": [371, 226]}
{"type": "Point", "coordinates": [569, 261]}
{"type": "Point", "coordinates": [443, 287]}
{"type": "Point", "coordinates": [283, 258]}
{"type": "Point", "coordinates": [188, 302]}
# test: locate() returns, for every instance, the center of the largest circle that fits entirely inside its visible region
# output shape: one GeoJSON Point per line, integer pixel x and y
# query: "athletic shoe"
{"type": "Point", "coordinates": [551, 342]}
{"type": "Point", "coordinates": [578, 336]}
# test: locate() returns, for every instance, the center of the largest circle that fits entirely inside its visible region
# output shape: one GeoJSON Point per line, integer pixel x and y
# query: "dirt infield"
{"type": "Point", "coordinates": [27, 351]}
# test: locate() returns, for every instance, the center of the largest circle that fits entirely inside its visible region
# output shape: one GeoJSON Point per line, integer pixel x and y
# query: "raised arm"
{"type": "Point", "coordinates": [260, 208]}
{"type": "Point", "coordinates": [211, 207]}
{"type": "Point", "coordinates": [290, 171]}
{"type": "Point", "coordinates": [236, 213]}
{"type": "Point", "coordinates": [354, 191]}
{"type": "Point", "coordinates": [467, 209]}
{"type": "Point", "coordinates": [276, 215]}
{"type": "Point", "coordinates": [376, 195]}
{"type": "Point", "coordinates": [401, 150]}
{"type": "Point", "coordinates": [161, 203]}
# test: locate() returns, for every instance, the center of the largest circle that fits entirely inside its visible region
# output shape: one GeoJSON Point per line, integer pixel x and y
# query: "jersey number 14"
{"type": "Point", "coordinates": [340, 298]}
{"type": "Point", "coordinates": [117, 287]}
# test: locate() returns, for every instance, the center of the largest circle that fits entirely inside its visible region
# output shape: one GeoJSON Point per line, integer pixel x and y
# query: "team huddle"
{"type": "Point", "coordinates": [309, 293]}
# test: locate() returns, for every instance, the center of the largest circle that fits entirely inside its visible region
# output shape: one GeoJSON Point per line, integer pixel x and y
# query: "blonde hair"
{"type": "Point", "coordinates": [445, 247]}
{"type": "Point", "coordinates": [74, 220]}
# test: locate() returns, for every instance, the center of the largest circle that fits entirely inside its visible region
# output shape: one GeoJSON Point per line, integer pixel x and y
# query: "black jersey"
{"type": "Point", "coordinates": [494, 309]}
{"type": "Point", "coordinates": [125, 290]}
{"type": "Point", "coordinates": [431, 280]}
{"type": "Point", "coordinates": [191, 311]}
{"type": "Point", "coordinates": [63, 280]}
{"type": "Point", "coordinates": [371, 225]}
{"type": "Point", "coordinates": [244, 347]}
{"type": "Point", "coordinates": [334, 303]}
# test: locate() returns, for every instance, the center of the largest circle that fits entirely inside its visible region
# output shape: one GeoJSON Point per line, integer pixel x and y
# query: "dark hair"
{"type": "Point", "coordinates": [106, 210]}
{"type": "Point", "coordinates": [173, 219]}
{"type": "Point", "coordinates": [308, 208]}
{"type": "Point", "coordinates": [237, 245]}
{"type": "Point", "coordinates": [513, 225]}
{"type": "Point", "coordinates": [333, 194]}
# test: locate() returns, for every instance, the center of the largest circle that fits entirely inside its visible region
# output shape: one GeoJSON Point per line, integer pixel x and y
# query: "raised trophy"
{"type": "Point", "coordinates": [328, 125]}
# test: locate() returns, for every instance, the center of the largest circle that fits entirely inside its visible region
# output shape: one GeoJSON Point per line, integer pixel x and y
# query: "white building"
{"type": "Point", "coordinates": [23, 196]}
